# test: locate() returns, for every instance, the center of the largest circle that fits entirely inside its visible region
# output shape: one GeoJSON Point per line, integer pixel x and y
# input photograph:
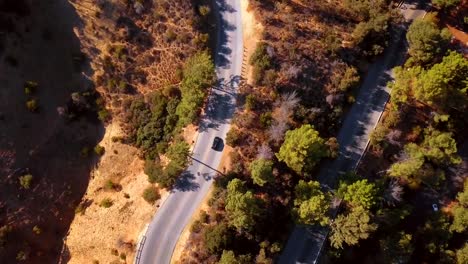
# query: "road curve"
{"type": "Point", "coordinates": [175, 213]}
{"type": "Point", "coordinates": [305, 242]}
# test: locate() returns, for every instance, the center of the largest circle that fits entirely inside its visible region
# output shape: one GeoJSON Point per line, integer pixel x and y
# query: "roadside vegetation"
{"type": "Point", "coordinates": [416, 160]}
{"type": "Point", "coordinates": [305, 71]}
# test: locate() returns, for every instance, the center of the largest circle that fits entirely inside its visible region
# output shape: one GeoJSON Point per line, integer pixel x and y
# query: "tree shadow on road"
{"type": "Point", "coordinates": [222, 59]}
{"type": "Point", "coordinates": [186, 183]}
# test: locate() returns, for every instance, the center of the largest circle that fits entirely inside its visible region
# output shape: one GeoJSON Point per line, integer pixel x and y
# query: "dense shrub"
{"type": "Point", "coordinates": [106, 203]}
{"type": "Point", "coordinates": [25, 181]}
{"type": "Point", "coordinates": [32, 105]}
{"type": "Point", "coordinates": [151, 195]}
{"type": "Point", "coordinates": [99, 150]}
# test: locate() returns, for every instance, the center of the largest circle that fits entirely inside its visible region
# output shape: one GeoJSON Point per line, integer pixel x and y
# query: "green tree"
{"type": "Point", "coordinates": [178, 153]}
{"type": "Point", "coordinates": [448, 78]}
{"type": "Point", "coordinates": [360, 193]}
{"type": "Point", "coordinates": [409, 168]}
{"type": "Point", "coordinates": [364, 9]}
{"type": "Point", "coordinates": [250, 102]}
{"type": "Point", "coordinates": [302, 149]}
{"type": "Point", "coordinates": [198, 76]}
{"type": "Point", "coordinates": [242, 207]}
{"type": "Point", "coordinates": [216, 238]}
{"type": "Point", "coordinates": [349, 80]}
{"type": "Point", "coordinates": [228, 257]}
{"type": "Point", "coordinates": [349, 229]}
{"type": "Point", "coordinates": [462, 254]}
{"type": "Point", "coordinates": [311, 204]}
{"type": "Point", "coordinates": [425, 40]}
{"type": "Point", "coordinates": [154, 170]}
{"type": "Point", "coordinates": [25, 181]}
{"type": "Point", "coordinates": [370, 36]}
{"type": "Point", "coordinates": [440, 147]}
{"type": "Point", "coordinates": [170, 174]}
{"type": "Point", "coordinates": [261, 170]}
{"type": "Point", "coordinates": [435, 233]}
{"type": "Point", "coordinates": [404, 83]}
{"type": "Point", "coordinates": [446, 4]}
{"type": "Point", "coordinates": [460, 212]}
{"type": "Point", "coordinates": [397, 248]}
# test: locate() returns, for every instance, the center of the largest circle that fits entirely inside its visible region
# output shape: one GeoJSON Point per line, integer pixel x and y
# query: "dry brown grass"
{"type": "Point", "coordinates": [96, 231]}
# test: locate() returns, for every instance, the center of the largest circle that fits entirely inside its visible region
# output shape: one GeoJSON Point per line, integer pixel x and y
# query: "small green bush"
{"type": "Point", "coordinates": [204, 10]}
{"type": "Point", "coordinates": [25, 181]}
{"type": "Point", "coordinates": [123, 256]}
{"type": "Point", "coordinates": [110, 185]}
{"type": "Point", "coordinates": [37, 230]}
{"type": "Point", "coordinates": [196, 226]}
{"type": "Point", "coordinates": [266, 119]}
{"type": "Point", "coordinates": [103, 114]}
{"type": "Point", "coordinates": [233, 137]}
{"type": "Point", "coordinates": [378, 135]}
{"type": "Point", "coordinates": [114, 252]}
{"type": "Point", "coordinates": [32, 105]}
{"type": "Point", "coordinates": [21, 256]}
{"type": "Point", "coordinates": [151, 195]}
{"type": "Point", "coordinates": [106, 203]}
{"type": "Point", "coordinates": [85, 152]}
{"type": "Point", "coordinates": [170, 35]}
{"type": "Point", "coordinates": [99, 150]}
{"type": "Point", "coordinates": [250, 102]}
{"type": "Point", "coordinates": [80, 209]}
{"type": "Point", "coordinates": [30, 87]}
{"type": "Point", "coordinates": [154, 170]}
{"type": "Point", "coordinates": [204, 217]}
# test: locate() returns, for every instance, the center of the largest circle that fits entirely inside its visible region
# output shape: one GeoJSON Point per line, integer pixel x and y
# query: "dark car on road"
{"type": "Point", "coordinates": [216, 143]}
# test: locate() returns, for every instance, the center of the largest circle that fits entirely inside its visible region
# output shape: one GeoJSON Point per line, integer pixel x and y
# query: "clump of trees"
{"type": "Point", "coordinates": [437, 147]}
{"type": "Point", "coordinates": [426, 40]}
{"type": "Point", "coordinates": [243, 209]}
{"type": "Point", "coordinates": [199, 75]}
{"type": "Point", "coordinates": [166, 177]}
{"type": "Point", "coordinates": [460, 211]}
{"type": "Point", "coordinates": [371, 33]}
{"type": "Point", "coordinates": [263, 72]}
{"type": "Point", "coordinates": [311, 204]}
{"type": "Point", "coordinates": [428, 99]}
{"type": "Point", "coordinates": [352, 227]}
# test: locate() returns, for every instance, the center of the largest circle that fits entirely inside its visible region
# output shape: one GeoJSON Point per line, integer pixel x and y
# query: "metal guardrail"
{"type": "Point", "coordinates": [140, 249]}
{"type": "Point", "coordinates": [365, 150]}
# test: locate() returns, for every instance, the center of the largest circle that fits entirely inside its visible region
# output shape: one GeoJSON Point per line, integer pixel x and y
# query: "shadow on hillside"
{"type": "Point", "coordinates": [40, 45]}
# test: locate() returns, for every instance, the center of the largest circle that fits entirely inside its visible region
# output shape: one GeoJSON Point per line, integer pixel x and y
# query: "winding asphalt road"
{"type": "Point", "coordinates": [305, 242]}
{"type": "Point", "coordinates": [175, 213]}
